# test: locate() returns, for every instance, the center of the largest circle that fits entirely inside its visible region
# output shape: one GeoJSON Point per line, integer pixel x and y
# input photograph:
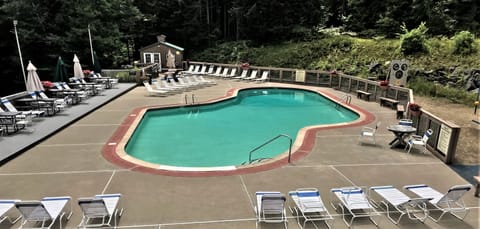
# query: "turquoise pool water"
{"type": "Point", "coordinates": [223, 134]}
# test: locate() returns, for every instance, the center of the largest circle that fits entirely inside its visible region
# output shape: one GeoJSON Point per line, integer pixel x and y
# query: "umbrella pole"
{"type": "Point", "coordinates": [91, 47]}
{"type": "Point", "coordinates": [15, 22]}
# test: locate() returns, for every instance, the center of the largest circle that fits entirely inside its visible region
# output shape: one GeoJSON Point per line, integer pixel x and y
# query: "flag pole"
{"type": "Point", "coordinates": [15, 22]}
{"type": "Point", "coordinates": [91, 47]}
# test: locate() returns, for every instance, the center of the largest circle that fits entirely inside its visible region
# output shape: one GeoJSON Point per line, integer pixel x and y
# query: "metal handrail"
{"type": "Point", "coordinates": [346, 97]}
{"type": "Point", "coordinates": [271, 140]}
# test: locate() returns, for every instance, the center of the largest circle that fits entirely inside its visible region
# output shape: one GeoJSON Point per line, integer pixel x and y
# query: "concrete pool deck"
{"type": "Point", "coordinates": [70, 162]}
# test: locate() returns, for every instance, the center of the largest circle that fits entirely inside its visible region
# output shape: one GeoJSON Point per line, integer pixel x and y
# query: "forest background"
{"type": "Point", "coordinates": [48, 29]}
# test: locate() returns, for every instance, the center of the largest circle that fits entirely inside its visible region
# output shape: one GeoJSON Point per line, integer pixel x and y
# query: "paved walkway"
{"type": "Point", "coordinates": [43, 127]}
{"type": "Point", "coordinates": [69, 162]}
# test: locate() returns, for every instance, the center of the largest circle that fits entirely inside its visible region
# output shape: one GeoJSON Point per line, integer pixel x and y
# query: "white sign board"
{"type": "Point", "coordinates": [300, 75]}
{"type": "Point", "coordinates": [444, 139]}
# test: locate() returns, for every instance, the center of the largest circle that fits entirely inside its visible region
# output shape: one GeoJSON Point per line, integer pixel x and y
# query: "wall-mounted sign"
{"type": "Point", "coordinates": [444, 139]}
{"type": "Point", "coordinates": [300, 76]}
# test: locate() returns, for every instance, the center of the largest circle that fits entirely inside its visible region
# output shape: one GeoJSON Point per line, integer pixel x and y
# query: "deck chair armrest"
{"type": "Point", "coordinates": [416, 137]}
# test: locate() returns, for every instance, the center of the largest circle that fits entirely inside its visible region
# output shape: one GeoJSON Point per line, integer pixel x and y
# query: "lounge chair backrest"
{"type": "Point", "coordinates": [265, 75]}
{"type": "Point", "coordinates": [210, 69]}
{"type": "Point", "coordinates": [33, 210]}
{"type": "Point", "coordinates": [9, 105]}
{"type": "Point", "coordinates": [253, 74]}
{"type": "Point", "coordinates": [42, 95]}
{"type": "Point", "coordinates": [33, 95]}
{"type": "Point", "coordinates": [233, 72]}
{"type": "Point", "coordinates": [58, 86]}
{"type": "Point", "coordinates": [244, 73]}
{"type": "Point", "coordinates": [455, 193]}
{"type": "Point", "coordinates": [204, 69]}
{"type": "Point", "coordinates": [147, 85]}
{"type": "Point", "coordinates": [196, 69]}
{"type": "Point", "coordinates": [273, 203]}
{"type": "Point", "coordinates": [225, 72]}
{"type": "Point", "coordinates": [93, 207]}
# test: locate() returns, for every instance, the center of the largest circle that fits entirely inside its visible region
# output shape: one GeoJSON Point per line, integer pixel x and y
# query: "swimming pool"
{"type": "Point", "coordinates": [222, 134]}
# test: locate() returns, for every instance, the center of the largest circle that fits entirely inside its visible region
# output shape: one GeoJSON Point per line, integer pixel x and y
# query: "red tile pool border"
{"type": "Point", "coordinates": [110, 149]}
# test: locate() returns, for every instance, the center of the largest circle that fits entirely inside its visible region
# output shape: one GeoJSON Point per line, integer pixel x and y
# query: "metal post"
{"type": "Point", "coordinates": [15, 22]}
{"type": "Point", "coordinates": [91, 47]}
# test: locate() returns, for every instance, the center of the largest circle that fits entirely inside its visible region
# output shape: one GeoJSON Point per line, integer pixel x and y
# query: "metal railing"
{"type": "Point", "coordinates": [268, 142]}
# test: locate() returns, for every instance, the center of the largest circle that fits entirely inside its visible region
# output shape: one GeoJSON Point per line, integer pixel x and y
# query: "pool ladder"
{"type": "Point", "coordinates": [250, 161]}
{"type": "Point", "coordinates": [186, 99]}
{"type": "Point", "coordinates": [194, 110]}
{"type": "Point", "coordinates": [345, 98]}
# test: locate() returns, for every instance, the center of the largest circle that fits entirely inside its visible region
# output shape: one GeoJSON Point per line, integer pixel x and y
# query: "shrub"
{"type": "Point", "coordinates": [464, 43]}
{"type": "Point", "coordinates": [414, 41]}
{"type": "Point", "coordinates": [414, 107]}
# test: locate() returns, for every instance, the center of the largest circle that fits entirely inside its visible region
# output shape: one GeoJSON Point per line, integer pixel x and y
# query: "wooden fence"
{"type": "Point", "coordinates": [444, 139]}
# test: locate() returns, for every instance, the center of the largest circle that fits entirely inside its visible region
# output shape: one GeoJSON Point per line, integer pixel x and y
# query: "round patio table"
{"type": "Point", "coordinates": [400, 131]}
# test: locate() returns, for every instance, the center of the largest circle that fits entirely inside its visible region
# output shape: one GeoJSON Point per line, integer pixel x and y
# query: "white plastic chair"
{"type": "Point", "coordinates": [369, 132]}
{"type": "Point", "coordinates": [418, 140]}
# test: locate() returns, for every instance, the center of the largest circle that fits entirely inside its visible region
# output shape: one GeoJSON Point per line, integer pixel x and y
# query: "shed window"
{"type": "Point", "coordinates": [151, 58]}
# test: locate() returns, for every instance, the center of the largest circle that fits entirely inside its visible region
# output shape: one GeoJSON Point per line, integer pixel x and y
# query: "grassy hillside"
{"type": "Point", "coordinates": [344, 53]}
{"type": "Point", "coordinates": [353, 56]}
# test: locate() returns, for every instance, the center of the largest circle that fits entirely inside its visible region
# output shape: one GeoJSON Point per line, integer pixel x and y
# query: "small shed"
{"type": "Point", "coordinates": [160, 51]}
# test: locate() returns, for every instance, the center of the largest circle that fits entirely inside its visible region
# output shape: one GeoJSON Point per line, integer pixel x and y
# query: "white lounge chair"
{"type": "Point", "coordinates": [253, 75]}
{"type": "Point", "coordinates": [60, 102]}
{"type": "Point", "coordinates": [7, 104]}
{"type": "Point", "coordinates": [100, 210]}
{"type": "Point", "coordinates": [449, 202]}
{"type": "Point", "coordinates": [210, 70]}
{"type": "Point", "coordinates": [203, 70]}
{"type": "Point", "coordinates": [224, 73]}
{"type": "Point", "coordinates": [232, 74]}
{"type": "Point", "coordinates": [354, 201]}
{"type": "Point", "coordinates": [217, 71]}
{"type": "Point", "coordinates": [80, 91]}
{"type": "Point", "coordinates": [418, 140]}
{"type": "Point", "coordinates": [161, 84]}
{"type": "Point", "coordinates": [270, 208]}
{"type": "Point", "coordinates": [242, 76]}
{"type": "Point", "coordinates": [21, 122]}
{"type": "Point", "coordinates": [309, 206]}
{"type": "Point", "coordinates": [415, 208]}
{"type": "Point", "coordinates": [48, 105]}
{"type": "Point", "coordinates": [203, 80]}
{"type": "Point", "coordinates": [48, 210]}
{"type": "Point", "coordinates": [189, 70]}
{"type": "Point", "coordinates": [263, 78]}
{"type": "Point", "coordinates": [154, 92]}
{"type": "Point", "coordinates": [369, 132]}
{"type": "Point", "coordinates": [5, 207]}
